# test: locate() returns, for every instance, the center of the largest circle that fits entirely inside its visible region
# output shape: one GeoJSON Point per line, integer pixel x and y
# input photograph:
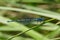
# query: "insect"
{"type": "Point", "coordinates": [30, 20]}
{"type": "Point", "coordinates": [26, 21]}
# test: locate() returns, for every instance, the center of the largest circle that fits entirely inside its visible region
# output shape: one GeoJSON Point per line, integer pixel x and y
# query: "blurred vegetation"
{"type": "Point", "coordinates": [49, 29]}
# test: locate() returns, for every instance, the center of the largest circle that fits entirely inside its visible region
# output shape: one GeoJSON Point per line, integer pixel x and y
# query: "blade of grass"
{"type": "Point", "coordinates": [8, 28]}
{"type": "Point", "coordinates": [49, 27]}
{"type": "Point", "coordinates": [5, 35]}
{"type": "Point", "coordinates": [51, 15]}
{"type": "Point", "coordinates": [54, 33]}
{"type": "Point", "coordinates": [23, 28]}
{"type": "Point", "coordinates": [2, 12]}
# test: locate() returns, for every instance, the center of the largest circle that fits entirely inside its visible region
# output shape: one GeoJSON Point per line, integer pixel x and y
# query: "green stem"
{"type": "Point", "coordinates": [32, 33]}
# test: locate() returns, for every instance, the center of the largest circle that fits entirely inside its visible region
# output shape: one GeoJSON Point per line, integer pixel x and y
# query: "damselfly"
{"type": "Point", "coordinates": [29, 20]}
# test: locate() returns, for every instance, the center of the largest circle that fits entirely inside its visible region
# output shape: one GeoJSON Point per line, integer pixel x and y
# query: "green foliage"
{"type": "Point", "coordinates": [46, 30]}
